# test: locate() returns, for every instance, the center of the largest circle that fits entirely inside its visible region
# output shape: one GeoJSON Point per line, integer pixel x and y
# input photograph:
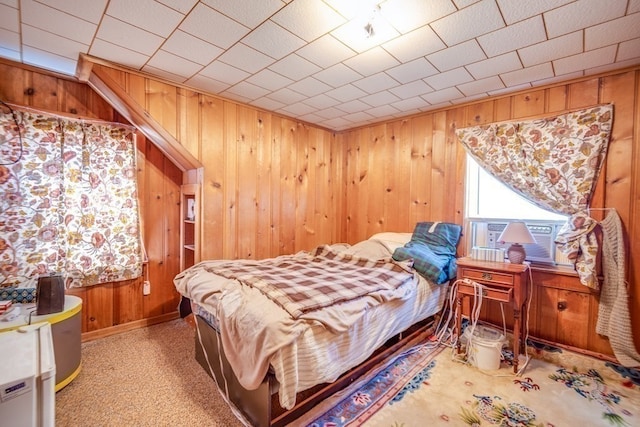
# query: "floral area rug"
{"type": "Point", "coordinates": [426, 386]}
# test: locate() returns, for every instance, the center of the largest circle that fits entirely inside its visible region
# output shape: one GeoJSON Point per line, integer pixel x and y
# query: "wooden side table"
{"type": "Point", "coordinates": [502, 281]}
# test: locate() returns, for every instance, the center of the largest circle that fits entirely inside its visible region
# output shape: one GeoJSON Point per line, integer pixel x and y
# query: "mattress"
{"type": "Point", "coordinates": [302, 353]}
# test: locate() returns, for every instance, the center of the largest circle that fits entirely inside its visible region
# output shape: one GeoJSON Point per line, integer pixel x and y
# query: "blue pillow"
{"type": "Point", "coordinates": [433, 250]}
{"type": "Point", "coordinates": [435, 267]}
{"type": "Point", "coordinates": [443, 239]}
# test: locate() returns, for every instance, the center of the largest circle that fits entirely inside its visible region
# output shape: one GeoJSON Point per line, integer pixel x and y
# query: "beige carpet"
{"type": "Point", "coordinates": [149, 377]}
{"type": "Point", "coordinates": [145, 377]}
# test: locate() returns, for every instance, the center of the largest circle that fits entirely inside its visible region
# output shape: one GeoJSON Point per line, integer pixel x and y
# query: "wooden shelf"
{"type": "Point", "coordinates": [189, 225]}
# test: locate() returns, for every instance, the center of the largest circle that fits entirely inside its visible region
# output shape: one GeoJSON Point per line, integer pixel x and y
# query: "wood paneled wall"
{"type": "Point", "coordinates": [114, 305]}
{"type": "Point", "coordinates": [272, 185]}
{"type": "Point", "coordinates": [404, 171]}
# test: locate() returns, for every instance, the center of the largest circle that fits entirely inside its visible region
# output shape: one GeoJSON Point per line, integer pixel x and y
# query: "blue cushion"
{"type": "Point", "coordinates": [433, 250]}
{"type": "Point", "coordinates": [426, 262]}
{"type": "Point", "coordinates": [443, 239]}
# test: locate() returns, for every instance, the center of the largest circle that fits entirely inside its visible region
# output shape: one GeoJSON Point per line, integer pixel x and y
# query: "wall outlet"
{"type": "Point", "coordinates": [146, 288]}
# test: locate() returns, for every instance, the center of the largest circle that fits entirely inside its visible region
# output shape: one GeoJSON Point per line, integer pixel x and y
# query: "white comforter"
{"type": "Point", "coordinates": [256, 333]}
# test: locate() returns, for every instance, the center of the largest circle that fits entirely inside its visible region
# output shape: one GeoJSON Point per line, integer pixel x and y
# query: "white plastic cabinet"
{"type": "Point", "coordinates": [27, 377]}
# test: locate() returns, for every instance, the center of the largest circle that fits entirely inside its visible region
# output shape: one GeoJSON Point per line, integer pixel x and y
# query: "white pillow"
{"type": "Point", "coordinates": [392, 240]}
{"type": "Point", "coordinates": [370, 249]}
{"type": "Point", "coordinates": [391, 237]}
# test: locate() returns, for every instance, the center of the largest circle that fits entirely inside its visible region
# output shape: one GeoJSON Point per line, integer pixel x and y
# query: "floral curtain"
{"type": "Point", "coordinates": [69, 200]}
{"type": "Point", "coordinates": [553, 162]}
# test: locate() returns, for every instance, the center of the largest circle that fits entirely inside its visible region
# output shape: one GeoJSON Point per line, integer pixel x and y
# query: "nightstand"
{"type": "Point", "coordinates": [503, 282]}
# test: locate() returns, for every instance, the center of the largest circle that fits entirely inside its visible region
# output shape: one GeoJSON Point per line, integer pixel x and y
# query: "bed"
{"type": "Point", "coordinates": [269, 354]}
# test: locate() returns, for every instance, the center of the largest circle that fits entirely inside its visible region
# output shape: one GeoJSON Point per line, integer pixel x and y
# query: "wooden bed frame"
{"type": "Point", "coordinates": [261, 406]}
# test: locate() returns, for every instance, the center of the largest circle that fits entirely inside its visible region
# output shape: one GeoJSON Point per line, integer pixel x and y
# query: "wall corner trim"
{"type": "Point", "coordinates": [119, 99]}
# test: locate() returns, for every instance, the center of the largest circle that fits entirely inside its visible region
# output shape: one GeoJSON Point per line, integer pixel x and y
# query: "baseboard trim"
{"type": "Point", "coordinates": [136, 324]}
{"type": "Point", "coordinates": [590, 353]}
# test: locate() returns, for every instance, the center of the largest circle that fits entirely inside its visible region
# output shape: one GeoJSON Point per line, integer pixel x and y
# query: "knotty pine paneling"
{"type": "Point", "coordinates": [420, 167]}
{"type": "Point", "coordinates": [272, 185]}
{"type": "Point", "coordinates": [211, 151]}
{"type": "Point", "coordinates": [434, 165]}
{"type": "Point", "coordinates": [189, 120]}
{"type": "Point", "coordinates": [528, 104]}
{"type": "Point", "coordinates": [268, 181]}
{"type": "Point", "coordinates": [161, 227]}
{"type": "Point", "coordinates": [287, 179]}
{"type": "Point", "coordinates": [112, 304]}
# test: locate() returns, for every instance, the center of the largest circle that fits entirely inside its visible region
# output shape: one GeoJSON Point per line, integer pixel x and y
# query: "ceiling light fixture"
{"type": "Point", "coordinates": [369, 14]}
{"type": "Point", "coordinates": [369, 29]}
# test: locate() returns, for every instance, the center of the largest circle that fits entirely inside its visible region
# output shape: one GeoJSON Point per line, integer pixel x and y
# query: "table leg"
{"type": "Point", "coordinates": [516, 338]}
{"type": "Point", "coordinates": [458, 320]}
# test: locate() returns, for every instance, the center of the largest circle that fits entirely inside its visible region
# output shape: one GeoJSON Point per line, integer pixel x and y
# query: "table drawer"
{"type": "Point", "coordinates": [497, 294]}
{"type": "Point", "coordinates": [487, 276]}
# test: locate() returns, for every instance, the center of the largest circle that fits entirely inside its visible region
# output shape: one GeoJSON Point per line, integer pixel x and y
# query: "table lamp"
{"type": "Point", "coordinates": [516, 233]}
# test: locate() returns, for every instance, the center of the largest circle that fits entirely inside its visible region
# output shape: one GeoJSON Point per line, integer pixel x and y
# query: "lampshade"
{"type": "Point", "coordinates": [517, 233]}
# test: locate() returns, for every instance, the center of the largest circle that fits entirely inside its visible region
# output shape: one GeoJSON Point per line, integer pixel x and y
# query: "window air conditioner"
{"type": "Point", "coordinates": [486, 233]}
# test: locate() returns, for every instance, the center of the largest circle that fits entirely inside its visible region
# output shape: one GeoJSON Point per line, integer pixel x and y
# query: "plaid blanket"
{"type": "Point", "coordinates": [309, 281]}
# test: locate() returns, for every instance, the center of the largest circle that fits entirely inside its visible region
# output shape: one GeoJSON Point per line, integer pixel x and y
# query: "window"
{"type": "Point", "coordinates": [490, 205]}
{"type": "Point", "coordinates": [488, 198]}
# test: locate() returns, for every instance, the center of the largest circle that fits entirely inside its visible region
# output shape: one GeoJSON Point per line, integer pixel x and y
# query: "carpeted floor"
{"type": "Point", "coordinates": [149, 377]}
{"type": "Point", "coordinates": [145, 377]}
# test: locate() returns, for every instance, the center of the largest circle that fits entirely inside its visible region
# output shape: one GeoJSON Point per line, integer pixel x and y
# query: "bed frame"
{"type": "Point", "coordinates": [261, 406]}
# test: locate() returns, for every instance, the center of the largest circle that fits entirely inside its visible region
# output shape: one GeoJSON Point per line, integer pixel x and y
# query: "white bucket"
{"type": "Point", "coordinates": [484, 349]}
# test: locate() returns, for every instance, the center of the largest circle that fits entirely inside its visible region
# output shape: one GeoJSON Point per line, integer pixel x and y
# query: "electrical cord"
{"type": "Point", "coordinates": [33, 310]}
{"type": "Point", "coordinates": [474, 317]}
{"type": "Point", "coordinates": [524, 365]}
{"type": "Point", "coordinates": [446, 336]}
{"type": "Point", "coordinates": [526, 326]}
{"type": "Point", "coordinates": [445, 330]}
